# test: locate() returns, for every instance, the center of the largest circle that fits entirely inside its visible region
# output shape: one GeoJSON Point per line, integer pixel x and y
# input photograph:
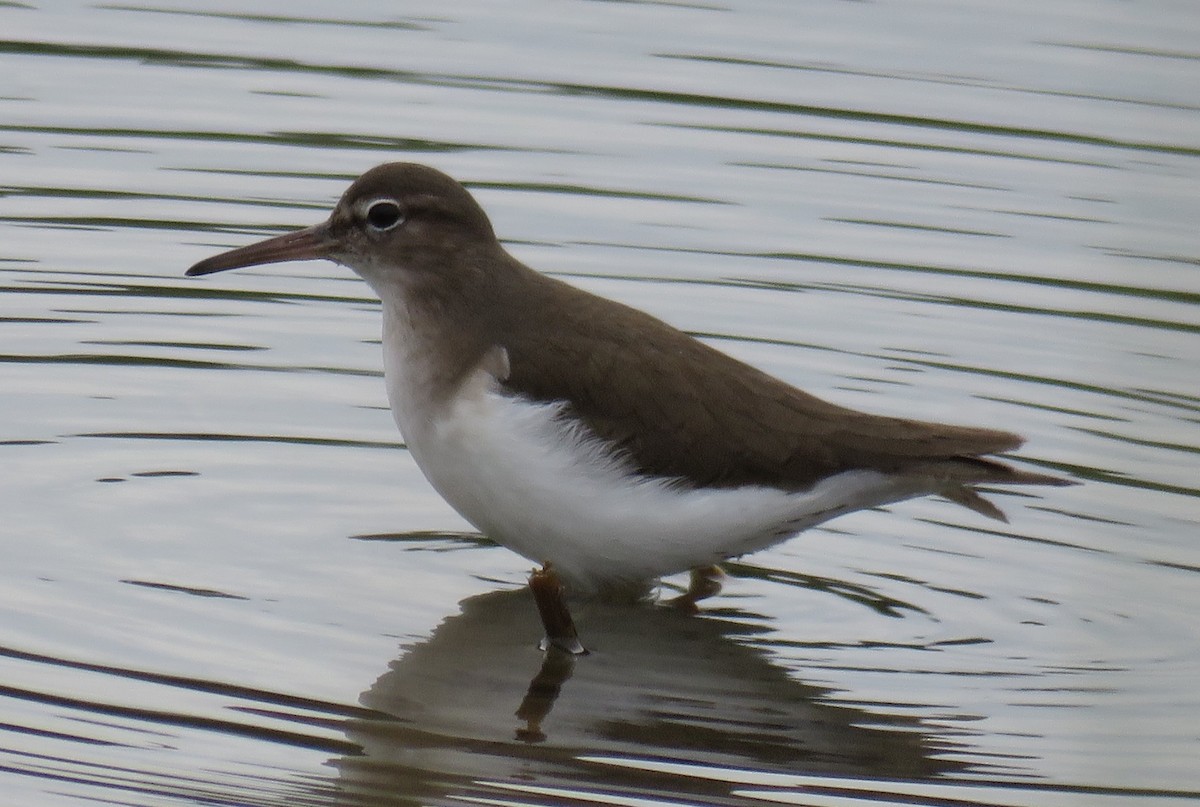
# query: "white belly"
{"type": "Point", "coordinates": [546, 488]}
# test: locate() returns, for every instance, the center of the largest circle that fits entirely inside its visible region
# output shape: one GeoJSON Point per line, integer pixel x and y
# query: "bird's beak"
{"type": "Point", "coordinates": [308, 244]}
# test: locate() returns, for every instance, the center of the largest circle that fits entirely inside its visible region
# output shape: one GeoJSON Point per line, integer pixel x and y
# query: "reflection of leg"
{"type": "Point", "coordinates": [549, 594]}
{"type": "Point", "coordinates": [557, 666]}
{"type": "Point", "coordinates": [706, 582]}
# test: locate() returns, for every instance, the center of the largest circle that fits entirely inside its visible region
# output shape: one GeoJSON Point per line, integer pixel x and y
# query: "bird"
{"type": "Point", "coordinates": [589, 435]}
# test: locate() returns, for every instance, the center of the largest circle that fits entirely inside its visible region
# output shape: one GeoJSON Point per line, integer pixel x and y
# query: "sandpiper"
{"type": "Point", "coordinates": [578, 431]}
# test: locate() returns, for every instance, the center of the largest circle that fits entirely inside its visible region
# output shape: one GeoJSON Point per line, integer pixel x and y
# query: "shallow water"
{"type": "Point", "coordinates": [225, 582]}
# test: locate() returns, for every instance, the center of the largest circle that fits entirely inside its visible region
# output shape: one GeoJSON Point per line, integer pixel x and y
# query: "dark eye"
{"type": "Point", "coordinates": [384, 215]}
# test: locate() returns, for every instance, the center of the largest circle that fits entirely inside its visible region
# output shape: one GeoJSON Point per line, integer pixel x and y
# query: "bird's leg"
{"type": "Point", "coordinates": [706, 581]}
{"type": "Point", "coordinates": [550, 596]}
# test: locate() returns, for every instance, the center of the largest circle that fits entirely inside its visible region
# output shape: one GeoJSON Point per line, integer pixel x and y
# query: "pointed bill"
{"type": "Point", "coordinates": [308, 244]}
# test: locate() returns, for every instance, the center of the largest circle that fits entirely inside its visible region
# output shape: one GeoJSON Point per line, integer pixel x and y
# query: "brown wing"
{"type": "Point", "coordinates": [678, 408]}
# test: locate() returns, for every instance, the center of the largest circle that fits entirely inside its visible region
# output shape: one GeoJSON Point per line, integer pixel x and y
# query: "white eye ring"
{"type": "Point", "coordinates": [383, 215]}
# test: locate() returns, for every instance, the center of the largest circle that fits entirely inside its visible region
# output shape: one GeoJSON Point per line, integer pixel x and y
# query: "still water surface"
{"type": "Point", "coordinates": [224, 582]}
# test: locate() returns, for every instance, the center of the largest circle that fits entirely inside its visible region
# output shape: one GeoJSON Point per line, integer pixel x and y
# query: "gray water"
{"type": "Point", "coordinates": [224, 582]}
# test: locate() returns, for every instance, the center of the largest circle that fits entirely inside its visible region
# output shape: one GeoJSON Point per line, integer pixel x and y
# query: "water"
{"type": "Point", "coordinates": [223, 582]}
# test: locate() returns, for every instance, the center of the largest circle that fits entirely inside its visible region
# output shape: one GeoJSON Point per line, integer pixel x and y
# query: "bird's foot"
{"type": "Point", "coordinates": [706, 581]}
{"type": "Point", "coordinates": [550, 596]}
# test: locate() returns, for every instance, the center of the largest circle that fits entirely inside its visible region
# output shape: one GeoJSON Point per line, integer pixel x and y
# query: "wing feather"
{"type": "Point", "coordinates": [679, 408]}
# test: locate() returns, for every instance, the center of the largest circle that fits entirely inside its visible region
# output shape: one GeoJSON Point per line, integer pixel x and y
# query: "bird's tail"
{"type": "Point", "coordinates": [959, 477]}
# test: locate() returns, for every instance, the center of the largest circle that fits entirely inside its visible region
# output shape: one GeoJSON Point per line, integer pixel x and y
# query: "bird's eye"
{"type": "Point", "coordinates": [384, 215]}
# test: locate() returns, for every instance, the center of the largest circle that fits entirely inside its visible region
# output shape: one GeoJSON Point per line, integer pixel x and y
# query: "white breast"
{"type": "Point", "coordinates": [543, 486]}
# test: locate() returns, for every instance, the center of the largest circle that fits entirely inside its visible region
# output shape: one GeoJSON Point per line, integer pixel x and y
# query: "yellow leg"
{"type": "Point", "coordinates": [550, 596]}
{"type": "Point", "coordinates": [706, 581]}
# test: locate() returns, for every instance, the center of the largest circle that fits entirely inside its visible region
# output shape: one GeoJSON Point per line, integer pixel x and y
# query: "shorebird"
{"type": "Point", "coordinates": [581, 432]}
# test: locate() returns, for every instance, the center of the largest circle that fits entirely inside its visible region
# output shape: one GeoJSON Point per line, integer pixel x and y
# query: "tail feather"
{"type": "Point", "coordinates": [971, 499]}
{"type": "Point", "coordinates": [985, 469]}
{"type": "Point", "coordinates": [959, 477]}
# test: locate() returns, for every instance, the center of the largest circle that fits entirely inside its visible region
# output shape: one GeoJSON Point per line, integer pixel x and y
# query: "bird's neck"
{"type": "Point", "coordinates": [434, 337]}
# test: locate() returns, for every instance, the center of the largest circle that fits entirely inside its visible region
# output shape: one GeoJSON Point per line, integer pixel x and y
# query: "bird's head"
{"type": "Point", "coordinates": [397, 223]}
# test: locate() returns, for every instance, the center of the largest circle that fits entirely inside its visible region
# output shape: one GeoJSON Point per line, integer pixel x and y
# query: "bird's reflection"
{"type": "Point", "coordinates": [557, 666]}
{"type": "Point", "coordinates": [478, 702]}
